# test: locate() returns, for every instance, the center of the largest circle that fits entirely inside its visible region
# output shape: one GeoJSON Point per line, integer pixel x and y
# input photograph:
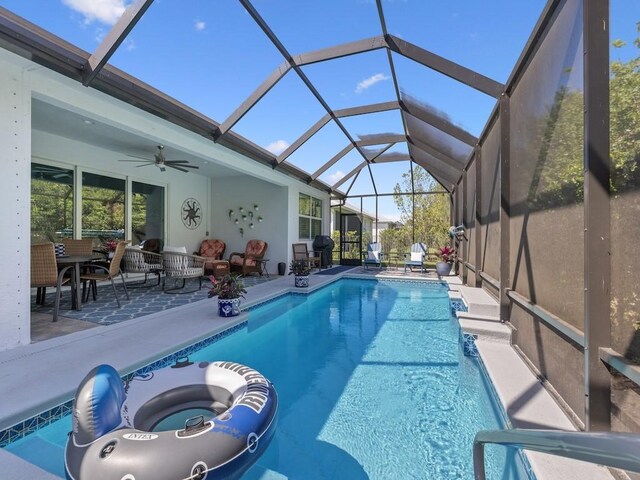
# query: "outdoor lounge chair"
{"type": "Point", "coordinates": [416, 258]}
{"type": "Point", "coordinates": [250, 260]}
{"type": "Point", "coordinates": [44, 273]}
{"type": "Point", "coordinates": [301, 253]}
{"type": "Point", "coordinates": [178, 265]}
{"type": "Point", "coordinates": [137, 260]}
{"type": "Point", "coordinates": [373, 256]}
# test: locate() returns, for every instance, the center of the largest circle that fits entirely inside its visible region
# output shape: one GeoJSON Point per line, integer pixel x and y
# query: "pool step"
{"type": "Point", "coordinates": [485, 327]}
{"type": "Point", "coordinates": [479, 302]}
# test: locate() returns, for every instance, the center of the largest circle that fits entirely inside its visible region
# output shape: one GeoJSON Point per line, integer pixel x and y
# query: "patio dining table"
{"type": "Point", "coordinates": [76, 261]}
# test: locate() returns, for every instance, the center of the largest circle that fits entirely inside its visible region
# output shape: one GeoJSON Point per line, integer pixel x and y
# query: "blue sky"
{"type": "Point", "coordinates": [211, 55]}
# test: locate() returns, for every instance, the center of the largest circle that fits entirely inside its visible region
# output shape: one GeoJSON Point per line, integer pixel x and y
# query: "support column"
{"type": "Point", "coordinates": [478, 225]}
{"type": "Point", "coordinates": [505, 208]}
{"type": "Point", "coordinates": [465, 239]}
{"type": "Point", "coordinates": [15, 215]}
{"type": "Point", "coordinates": [597, 166]}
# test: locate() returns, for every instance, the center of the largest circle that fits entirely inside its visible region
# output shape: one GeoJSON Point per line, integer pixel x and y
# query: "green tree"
{"type": "Point", "coordinates": [425, 218]}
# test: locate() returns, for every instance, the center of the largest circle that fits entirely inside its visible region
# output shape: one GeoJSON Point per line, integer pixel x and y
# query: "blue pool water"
{"type": "Point", "coordinates": [372, 385]}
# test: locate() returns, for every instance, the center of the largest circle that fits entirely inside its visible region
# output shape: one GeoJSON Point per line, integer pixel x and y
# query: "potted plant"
{"type": "Point", "coordinates": [109, 246]}
{"type": "Point", "coordinates": [301, 270]}
{"type": "Point", "coordinates": [228, 289]}
{"type": "Point", "coordinates": [447, 256]}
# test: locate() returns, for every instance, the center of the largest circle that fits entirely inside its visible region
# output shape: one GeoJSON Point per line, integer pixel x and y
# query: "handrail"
{"type": "Point", "coordinates": [618, 450]}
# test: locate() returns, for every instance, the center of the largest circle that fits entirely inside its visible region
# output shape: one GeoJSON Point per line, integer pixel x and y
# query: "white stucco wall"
{"type": "Point", "coordinates": [235, 192]}
{"type": "Point", "coordinates": [15, 184]}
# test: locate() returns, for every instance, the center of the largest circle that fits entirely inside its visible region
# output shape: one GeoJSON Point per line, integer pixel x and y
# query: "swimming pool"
{"type": "Point", "coordinates": [372, 384]}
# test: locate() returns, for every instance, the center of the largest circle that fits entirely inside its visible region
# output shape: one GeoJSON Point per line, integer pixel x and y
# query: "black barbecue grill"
{"type": "Point", "coordinates": [323, 248]}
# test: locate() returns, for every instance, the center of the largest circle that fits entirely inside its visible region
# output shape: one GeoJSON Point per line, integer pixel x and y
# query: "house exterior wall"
{"type": "Point", "coordinates": [15, 181]}
{"type": "Point", "coordinates": [22, 80]}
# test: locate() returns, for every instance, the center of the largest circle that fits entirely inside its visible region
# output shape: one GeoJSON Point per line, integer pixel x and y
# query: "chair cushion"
{"type": "Point", "coordinates": [255, 247]}
{"type": "Point", "coordinates": [373, 255]}
{"type": "Point", "coordinates": [212, 248]}
{"type": "Point", "coordinates": [416, 256]}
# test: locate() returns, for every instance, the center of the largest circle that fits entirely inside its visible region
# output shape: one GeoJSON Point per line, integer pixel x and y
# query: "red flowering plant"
{"type": "Point", "coordinates": [447, 254]}
{"type": "Point", "coordinates": [110, 245]}
{"type": "Point", "coordinates": [228, 287]}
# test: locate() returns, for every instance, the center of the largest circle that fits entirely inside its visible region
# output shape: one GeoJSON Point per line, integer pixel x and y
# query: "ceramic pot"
{"type": "Point", "coordinates": [302, 281]}
{"type": "Point", "coordinates": [228, 307]}
{"type": "Point", "coordinates": [443, 268]}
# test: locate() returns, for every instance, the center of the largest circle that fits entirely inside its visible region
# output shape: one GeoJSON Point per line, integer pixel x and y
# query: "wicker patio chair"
{"type": "Point", "coordinates": [248, 261]}
{"type": "Point", "coordinates": [136, 260]}
{"type": "Point", "coordinates": [301, 253]}
{"type": "Point", "coordinates": [44, 273]}
{"type": "Point", "coordinates": [178, 264]}
{"type": "Point", "coordinates": [212, 250]}
{"type": "Point", "coordinates": [83, 246]}
{"type": "Point", "coordinates": [99, 273]}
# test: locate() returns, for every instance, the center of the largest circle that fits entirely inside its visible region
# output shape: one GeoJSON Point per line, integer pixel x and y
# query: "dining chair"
{"type": "Point", "coordinates": [44, 273]}
{"type": "Point", "coordinates": [100, 273]}
{"type": "Point", "coordinates": [83, 246]}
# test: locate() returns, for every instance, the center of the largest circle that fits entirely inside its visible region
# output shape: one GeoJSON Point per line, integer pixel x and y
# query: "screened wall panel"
{"type": "Point", "coordinates": [556, 357]}
{"type": "Point", "coordinates": [459, 244]}
{"type": "Point", "coordinates": [625, 208]}
{"type": "Point", "coordinates": [546, 172]}
{"type": "Point", "coordinates": [470, 222]}
{"type": "Point", "coordinates": [490, 203]}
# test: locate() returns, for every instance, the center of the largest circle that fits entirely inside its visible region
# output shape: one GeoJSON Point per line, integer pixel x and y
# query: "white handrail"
{"type": "Point", "coordinates": [618, 450]}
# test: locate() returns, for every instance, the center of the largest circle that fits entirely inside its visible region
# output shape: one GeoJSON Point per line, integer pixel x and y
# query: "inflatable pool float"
{"type": "Point", "coordinates": [118, 429]}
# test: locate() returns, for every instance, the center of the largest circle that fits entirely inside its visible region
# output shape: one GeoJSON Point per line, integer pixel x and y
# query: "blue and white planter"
{"type": "Point", "coordinates": [302, 281]}
{"type": "Point", "coordinates": [228, 307]}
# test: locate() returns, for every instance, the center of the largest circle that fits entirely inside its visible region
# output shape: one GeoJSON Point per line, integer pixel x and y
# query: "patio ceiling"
{"type": "Point", "coordinates": [432, 139]}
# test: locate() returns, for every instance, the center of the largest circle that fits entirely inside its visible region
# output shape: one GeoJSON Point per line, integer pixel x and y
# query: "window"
{"type": "Point", "coordinates": [147, 212]}
{"type": "Point", "coordinates": [103, 206]}
{"type": "Point", "coordinates": [310, 219]}
{"type": "Point", "coordinates": [51, 203]}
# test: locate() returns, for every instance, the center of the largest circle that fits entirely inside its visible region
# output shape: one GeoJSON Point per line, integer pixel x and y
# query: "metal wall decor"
{"type": "Point", "coordinates": [191, 213]}
{"type": "Point", "coordinates": [246, 216]}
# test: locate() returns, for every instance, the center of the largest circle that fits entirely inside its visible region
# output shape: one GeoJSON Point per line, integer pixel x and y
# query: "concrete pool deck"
{"type": "Point", "coordinates": [42, 375]}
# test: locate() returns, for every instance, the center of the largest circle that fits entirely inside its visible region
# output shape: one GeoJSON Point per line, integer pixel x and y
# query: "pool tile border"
{"type": "Point", "coordinates": [45, 418]}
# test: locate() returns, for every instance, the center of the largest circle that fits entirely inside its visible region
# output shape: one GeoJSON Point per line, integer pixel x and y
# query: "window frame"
{"type": "Point", "coordinates": [309, 214]}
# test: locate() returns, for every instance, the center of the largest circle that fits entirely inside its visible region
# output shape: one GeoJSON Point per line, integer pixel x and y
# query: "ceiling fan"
{"type": "Point", "coordinates": [161, 162]}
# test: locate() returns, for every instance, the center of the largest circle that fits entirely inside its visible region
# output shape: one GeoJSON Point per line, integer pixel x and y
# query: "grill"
{"type": "Point", "coordinates": [323, 247]}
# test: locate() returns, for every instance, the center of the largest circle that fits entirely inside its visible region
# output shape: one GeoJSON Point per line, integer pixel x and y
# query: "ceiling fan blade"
{"type": "Point", "coordinates": [138, 161]}
{"type": "Point", "coordinates": [184, 166]}
{"type": "Point", "coordinates": [145, 164]}
{"type": "Point", "coordinates": [176, 161]}
{"type": "Point", "coordinates": [142, 158]}
{"type": "Point", "coordinates": [178, 168]}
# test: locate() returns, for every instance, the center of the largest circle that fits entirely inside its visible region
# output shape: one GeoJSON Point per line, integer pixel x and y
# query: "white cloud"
{"type": "Point", "coordinates": [200, 25]}
{"type": "Point", "coordinates": [278, 147]}
{"type": "Point", "coordinates": [104, 11]}
{"type": "Point", "coordinates": [372, 80]}
{"type": "Point", "coordinates": [336, 177]}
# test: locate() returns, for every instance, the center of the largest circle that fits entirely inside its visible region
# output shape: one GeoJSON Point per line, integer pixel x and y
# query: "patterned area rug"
{"type": "Point", "coordinates": [142, 301]}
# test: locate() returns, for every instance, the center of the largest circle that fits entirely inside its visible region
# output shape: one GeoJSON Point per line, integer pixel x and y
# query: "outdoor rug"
{"type": "Point", "coordinates": [142, 301]}
{"type": "Point", "coordinates": [334, 270]}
